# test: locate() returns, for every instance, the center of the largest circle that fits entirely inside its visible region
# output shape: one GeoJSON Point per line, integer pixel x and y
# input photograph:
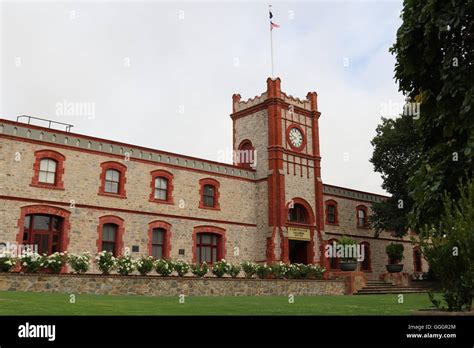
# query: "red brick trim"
{"type": "Point", "coordinates": [140, 160]}
{"type": "Point", "coordinates": [112, 142]}
{"type": "Point", "coordinates": [246, 143]}
{"type": "Point", "coordinates": [222, 246]}
{"type": "Point", "coordinates": [358, 191]}
{"type": "Point", "coordinates": [48, 210]}
{"type": "Point", "coordinates": [159, 173]}
{"type": "Point", "coordinates": [130, 211]}
{"type": "Point", "coordinates": [306, 205]}
{"type": "Point", "coordinates": [167, 238]}
{"type": "Point", "coordinates": [348, 198]}
{"type": "Point", "coordinates": [216, 184]}
{"type": "Point", "coordinates": [58, 180]}
{"type": "Point", "coordinates": [366, 216]}
{"type": "Point", "coordinates": [303, 143]}
{"type": "Point", "coordinates": [122, 169]}
{"type": "Point", "coordinates": [336, 213]}
{"type": "Point", "coordinates": [368, 256]}
{"type": "Point", "coordinates": [111, 219]}
{"type": "Point", "coordinates": [310, 225]}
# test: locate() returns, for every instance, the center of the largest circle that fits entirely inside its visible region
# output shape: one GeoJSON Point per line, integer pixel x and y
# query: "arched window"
{"type": "Point", "coordinates": [417, 260]}
{"type": "Point", "coordinates": [112, 179]}
{"type": "Point", "coordinates": [331, 212]}
{"type": "Point", "coordinates": [298, 214]}
{"type": "Point", "coordinates": [209, 196]}
{"type": "Point", "coordinates": [209, 244]}
{"type": "Point", "coordinates": [157, 242]}
{"type": "Point", "coordinates": [109, 238]}
{"type": "Point", "coordinates": [159, 238]}
{"type": "Point", "coordinates": [161, 187]}
{"type": "Point", "coordinates": [333, 261]}
{"type": "Point", "coordinates": [207, 247]}
{"type": "Point", "coordinates": [48, 170]}
{"type": "Point", "coordinates": [366, 262]}
{"type": "Point", "coordinates": [245, 156]}
{"type": "Point", "coordinates": [43, 231]}
{"type": "Point", "coordinates": [209, 193]}
{"type": "Point", "coordinates": [110, 234]}
{"type": "Point", "coordinates": [362, 219]}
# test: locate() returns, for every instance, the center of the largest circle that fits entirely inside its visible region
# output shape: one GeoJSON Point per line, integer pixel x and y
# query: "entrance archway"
{"type": "Point", "coordinates": [300, 228]}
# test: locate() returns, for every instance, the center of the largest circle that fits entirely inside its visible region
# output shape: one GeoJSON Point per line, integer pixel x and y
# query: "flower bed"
{"type": "Point", "coordinates": [125, 265]}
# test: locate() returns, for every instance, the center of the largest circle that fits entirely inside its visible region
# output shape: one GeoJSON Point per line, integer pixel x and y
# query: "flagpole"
{"type": "Point", "coordinates": [271, 40]}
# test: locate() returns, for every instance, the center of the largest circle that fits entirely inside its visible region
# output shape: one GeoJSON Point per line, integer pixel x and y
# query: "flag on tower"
{"type": "Point", "coordinates": [272, 25]}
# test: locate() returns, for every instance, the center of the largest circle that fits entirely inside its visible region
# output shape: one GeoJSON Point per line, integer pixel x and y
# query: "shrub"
{"type": "Point", "coordinates": [79, 263]}
{"type": "Point", "coordinates": [125, 265]}
{"type": "Point", "coordinates": [263, 271]}
{"type": "Point", "coordinates": [348, 243]}
{"type": "Point", "coordinates": [54, 262]}
{"type": "Point", "coordinates": [448, 248]}
{"type": "Point", "coordinates": [199, 270]}
{"type": "Point", "coordinates": [234, 270]}
{"type": "Point", "coordinates": [105, 261]}
{"type": "Point", "coordinates": [221, 268]}
{"type": "Point", "coordinates": [249, 269]}
{"type": "Point", "coordinates": [163, 267]}
{"type": "Point", "coordinates": [6, 262]}
{"type": "Point", "coordinates": [395, 252]}
{"type": "Point", "coordinates": [181, 267]}
{"type": "Point", "coordinates": [293, 271]}
{"type": "Point", "coordinates": [315, 271]}
{"type": "Point", "coordinates": [30, 261]}
{"type": "Point", "coordinates": [144, 265]}
{"type": "Point", "coordinates": [279, 270]}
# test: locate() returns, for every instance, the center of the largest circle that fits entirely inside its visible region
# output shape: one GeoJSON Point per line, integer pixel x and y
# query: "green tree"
{"type": "Point", "coordinates": [435, 67]}
{"type": "Point", "coordinates": [396, 151]}
{"type": "Point", "coordinates": [449, 249]}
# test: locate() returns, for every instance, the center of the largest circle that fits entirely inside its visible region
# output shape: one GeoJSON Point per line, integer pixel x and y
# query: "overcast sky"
{"type": "Point", "coordinates": [161, 74]}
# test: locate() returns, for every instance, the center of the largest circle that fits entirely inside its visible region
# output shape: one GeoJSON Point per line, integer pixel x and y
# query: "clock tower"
{"type": "Point", "coordinates": [282, 132]}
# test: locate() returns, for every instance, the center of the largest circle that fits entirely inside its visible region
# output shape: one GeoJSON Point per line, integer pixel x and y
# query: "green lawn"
{"type": "Point", "coordinates": [33, 303]}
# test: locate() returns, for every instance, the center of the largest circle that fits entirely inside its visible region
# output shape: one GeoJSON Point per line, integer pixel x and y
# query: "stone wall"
{"type": "Point", "coordinates": [173, 286]}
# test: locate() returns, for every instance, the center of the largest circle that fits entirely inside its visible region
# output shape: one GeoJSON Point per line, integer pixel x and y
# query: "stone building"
{"type": "Point", "coordinates": [65, 191]}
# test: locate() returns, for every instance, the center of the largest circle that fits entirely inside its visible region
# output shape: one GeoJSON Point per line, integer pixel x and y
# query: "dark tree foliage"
{"type": "Point", "coordinates": [434, 66]}
{"type": "Point", "coordinates": [396, 151]}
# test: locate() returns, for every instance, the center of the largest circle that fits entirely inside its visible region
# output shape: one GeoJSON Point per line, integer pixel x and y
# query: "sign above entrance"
{"type": "Point", "coordinates": [296, 233]}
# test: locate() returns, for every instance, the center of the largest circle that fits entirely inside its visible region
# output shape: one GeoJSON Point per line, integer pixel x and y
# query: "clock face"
{"type": "Point", "coordinates": [296, 137]}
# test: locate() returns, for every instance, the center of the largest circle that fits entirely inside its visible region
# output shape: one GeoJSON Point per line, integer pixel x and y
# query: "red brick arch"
{"type": "Point", "coordinates": [327, 203]}
{"type": "Point", "coordinates": [56, 156]}
{"type": "Point", "coordinates": [122, 169]}
{"type": "Point", "coordinates": [215, 230]}
{"type": "Point", "coordinates": [167, 242]}
{"type": "Point", "coordinates": [216, 184]}
{"type": "Point", "coordinates": [47, 210]}
{"type": "Point", "coordinates": [306, 205]}
{"type": "Point", "coordinates": [111, 219]}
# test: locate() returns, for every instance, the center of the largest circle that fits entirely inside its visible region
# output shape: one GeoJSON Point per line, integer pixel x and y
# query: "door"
{"type": "Point", "coordinates": [298, 251]}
